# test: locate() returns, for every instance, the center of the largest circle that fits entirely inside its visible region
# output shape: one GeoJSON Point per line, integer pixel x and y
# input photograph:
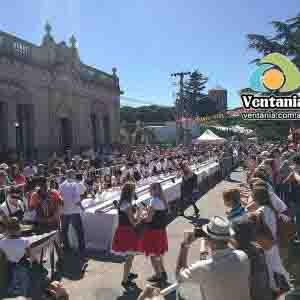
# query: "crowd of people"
{"type": "Point", "coordinates": [262, 219]}
{"type": "Point", "coordinates": [251, 241]}
{"type": "Point", "coordinates": [49, 196]}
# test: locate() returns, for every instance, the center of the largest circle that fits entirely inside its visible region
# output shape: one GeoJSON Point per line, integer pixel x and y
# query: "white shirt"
{"type": "Point", "coordinates": [70, 192]}
{"type": "Point", "coordinates": [224, 276]}
{"type": "Point", "coordinates": [14, 249]}
{"type": "Point", "coordinates": [158, 166]}
{"type": "Point", "coordinates": [13, 209]}
{"type": "Point", "coordinates": [124, 206]}
{"type": "Point", "coordinates": [157, 204]}
{"type": "Point", "coordinates": [29, 171]}
{"type": "Point", "coordinates": [82, 187]}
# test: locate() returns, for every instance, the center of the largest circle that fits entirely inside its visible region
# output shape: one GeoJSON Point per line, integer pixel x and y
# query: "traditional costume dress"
{"type": "Point", "coordinates": [126, 241]}
{"type": "Point", "coordinates": [155, 241]}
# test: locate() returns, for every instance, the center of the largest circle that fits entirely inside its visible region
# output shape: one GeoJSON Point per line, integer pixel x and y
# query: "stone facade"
{"type": "Point", "coordinates": [50, 101]}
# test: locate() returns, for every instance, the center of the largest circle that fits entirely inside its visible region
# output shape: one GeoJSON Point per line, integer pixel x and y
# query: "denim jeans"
{"type": "Point", "coordinates": [75, 220]}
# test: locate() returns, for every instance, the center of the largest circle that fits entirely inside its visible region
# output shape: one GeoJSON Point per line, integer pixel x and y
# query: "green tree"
{"type": "Point", "coordinates": [286, 40]}
{"type": "Point", "coordinates": [148, 114]}
{"type": "Point", "coordinates": [193, 92]}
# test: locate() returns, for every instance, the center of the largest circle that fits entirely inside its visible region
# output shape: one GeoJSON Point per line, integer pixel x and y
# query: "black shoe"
{"type": "Point", "coordinates": [164, 276]}
{"type": "Point", "coordinates": [196, 212]}
{"type": "Point", "coordinates": [127, 285]}
{"type": "Point", "coordinates": [162, 284]}
{"type": "Point", "coordinates": [154, 278]}
{"type": "Point", "coordinates": [132, 276]}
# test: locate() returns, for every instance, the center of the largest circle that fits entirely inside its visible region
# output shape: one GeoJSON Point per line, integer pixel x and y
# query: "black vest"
{"type": "Point", "coordinates": [159, 220]}
{"type": "Point", "coordinates": [123, 219]}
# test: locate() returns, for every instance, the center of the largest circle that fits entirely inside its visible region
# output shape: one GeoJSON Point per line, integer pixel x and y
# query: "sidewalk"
{"type": "Point", "coordinates": [102, 280]}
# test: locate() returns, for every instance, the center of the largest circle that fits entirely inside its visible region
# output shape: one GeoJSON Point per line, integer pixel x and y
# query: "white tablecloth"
{"type": "Point", "coordinates": [46, 245]}
{"type": "Point", "coordinates": [100, 226]}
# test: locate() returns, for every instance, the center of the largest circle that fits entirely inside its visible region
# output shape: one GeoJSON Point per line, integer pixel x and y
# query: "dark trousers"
{"type": "Point", "coordinates": [75, 220]}
{"type": "Point", "coordinates": [183, 203]}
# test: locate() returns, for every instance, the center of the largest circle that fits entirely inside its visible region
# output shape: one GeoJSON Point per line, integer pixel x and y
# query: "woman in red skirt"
{"type": "Point", "coordinates": [126, 241]}
{"type": "Point", "coordinates": [155, 241]}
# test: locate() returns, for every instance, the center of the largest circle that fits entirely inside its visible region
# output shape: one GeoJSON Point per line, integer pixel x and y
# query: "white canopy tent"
{"type": "Point", "coordinates": [209, 137]}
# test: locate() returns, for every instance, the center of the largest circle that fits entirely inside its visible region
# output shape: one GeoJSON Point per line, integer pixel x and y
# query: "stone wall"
{"type": "Point", "coordinates": [58, 85]}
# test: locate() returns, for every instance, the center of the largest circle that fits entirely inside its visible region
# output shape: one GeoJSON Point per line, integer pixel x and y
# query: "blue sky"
{"type": "Point", "coordinates": [148, 40]}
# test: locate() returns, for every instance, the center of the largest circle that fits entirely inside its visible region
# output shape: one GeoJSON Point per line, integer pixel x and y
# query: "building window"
{"type": "Point", "coordinates": [21, 49]}
{"type": "Point", "coordinates": [94, 130]}
{"type": "Point", "coordinates": [66, 134]}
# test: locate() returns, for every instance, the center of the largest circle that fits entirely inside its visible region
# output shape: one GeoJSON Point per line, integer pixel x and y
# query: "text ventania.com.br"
{"type": "Point", "coordinates": [271, 115]}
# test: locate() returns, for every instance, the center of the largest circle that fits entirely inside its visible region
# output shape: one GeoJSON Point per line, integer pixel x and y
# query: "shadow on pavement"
{"type": "Point", "coordinates": [233, 180]}
{"type": "Point", "coordinates": [196, 221]}
{"type": "Point", "coordinates": [73, 267]}
{"type": "Point", "coordinates": [134, 294]}
{"type": "Point", "coordinates": [105, 257]}
{"type": "Point", "coordinates": [130, 295]}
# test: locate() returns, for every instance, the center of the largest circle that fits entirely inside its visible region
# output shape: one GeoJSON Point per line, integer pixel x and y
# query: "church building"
{"type": "Point", "coordinates": [50, 101]}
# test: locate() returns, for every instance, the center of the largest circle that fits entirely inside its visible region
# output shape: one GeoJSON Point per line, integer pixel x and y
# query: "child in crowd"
{"type": "Point", "coordinates": [232, 201]}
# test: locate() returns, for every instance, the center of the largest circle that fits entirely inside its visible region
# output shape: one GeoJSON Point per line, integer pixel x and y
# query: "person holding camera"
{"type": "Point", "coordinates": [225, 273]}
{"type": "Point", "coordinates": [13, 206]}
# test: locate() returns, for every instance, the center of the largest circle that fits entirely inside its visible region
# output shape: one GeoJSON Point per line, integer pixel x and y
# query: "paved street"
{"type": "Point", "coordinates": [103, 277]}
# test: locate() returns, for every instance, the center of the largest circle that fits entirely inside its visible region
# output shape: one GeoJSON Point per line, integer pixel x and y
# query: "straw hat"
{"type": "Point", "coordinates": [218, 229]}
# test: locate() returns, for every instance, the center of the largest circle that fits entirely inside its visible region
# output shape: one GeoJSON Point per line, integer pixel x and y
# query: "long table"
{"type": "Point", "coordinates": [101, 220]}
{"type": "Point", "coordinates": [41, 246]}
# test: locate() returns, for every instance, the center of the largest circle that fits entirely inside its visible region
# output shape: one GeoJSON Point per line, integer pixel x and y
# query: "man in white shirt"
{"type": "Point", "coordinates": [70, 191]}
{"type": "Point", "coordinates": [29, 170]}
{"type": "Point", "coordinates": [224, 274]}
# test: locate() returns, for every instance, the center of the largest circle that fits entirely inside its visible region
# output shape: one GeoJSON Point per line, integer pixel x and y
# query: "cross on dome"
{"type": "Point", "coordinates": [48, 28]}
{"type": "Point", "coordinates": [73, 41]}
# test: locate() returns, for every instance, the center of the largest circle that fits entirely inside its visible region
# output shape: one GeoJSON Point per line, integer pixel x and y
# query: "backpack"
{"type": "Point", "coordinates": [21, 282]}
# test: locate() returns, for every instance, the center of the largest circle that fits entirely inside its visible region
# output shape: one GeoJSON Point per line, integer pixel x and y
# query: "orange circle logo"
{"type": "Point", "coordinates": [273, 79]}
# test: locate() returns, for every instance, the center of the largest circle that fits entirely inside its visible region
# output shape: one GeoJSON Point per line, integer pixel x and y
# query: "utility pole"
{"type": "Point", "coordinates": [179, 106]}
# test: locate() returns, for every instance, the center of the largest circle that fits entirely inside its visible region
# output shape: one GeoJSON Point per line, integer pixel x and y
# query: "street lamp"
{"type": "Point", "coordinates": [17, 127]}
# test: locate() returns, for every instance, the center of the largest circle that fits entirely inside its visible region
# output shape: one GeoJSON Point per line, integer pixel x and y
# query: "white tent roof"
{"type": "Point", "coordinates": [209, 137]}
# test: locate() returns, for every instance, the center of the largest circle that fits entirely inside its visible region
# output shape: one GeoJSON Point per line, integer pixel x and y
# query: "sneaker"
{"type": "Point", "coordinates": [132, 276]}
